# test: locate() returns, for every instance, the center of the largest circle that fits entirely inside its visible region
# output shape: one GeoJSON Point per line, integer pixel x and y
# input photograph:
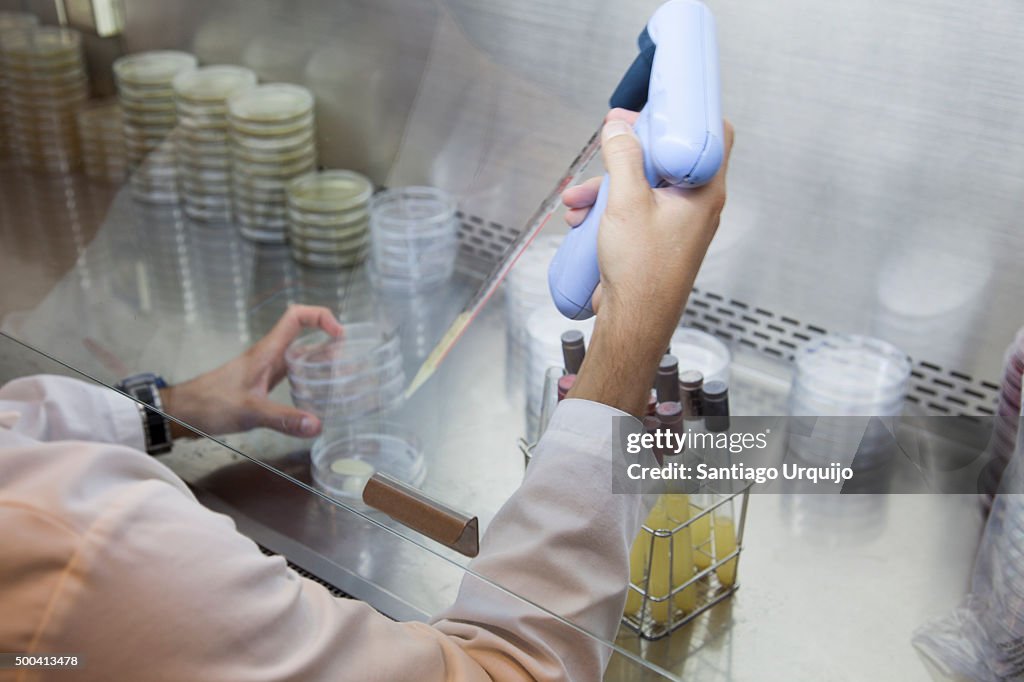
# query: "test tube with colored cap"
{"type": "Point", "coordinates": [666, 383]}
{"type": "Point", "coordinates": [715, 404]}
{"type": "Point", "coordinates": [573, 350]}
{"type": "Point", "coordinates": [690, 384]}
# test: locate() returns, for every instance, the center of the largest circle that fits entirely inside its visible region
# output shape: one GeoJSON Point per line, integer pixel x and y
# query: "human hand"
{"type": "Point", "coordinates": [650, 241]}
{"type": "Point", "coordinates": [650, 246]}
{"type": "Point", "coordinates": [233, 397]}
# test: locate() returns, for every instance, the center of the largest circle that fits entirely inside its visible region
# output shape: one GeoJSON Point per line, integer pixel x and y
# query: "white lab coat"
{"type": "Point", "coordinates": [105, 553]}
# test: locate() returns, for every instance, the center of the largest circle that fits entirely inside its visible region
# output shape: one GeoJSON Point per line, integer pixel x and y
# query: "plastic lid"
{"type": "Point", "coordinates": [213, 83]}
{"type": "Point", "coordinates": [155, 68]}
{"type": "Point", "coordinates": [412, 208]}
{"type": "Point", "coordinates": [272, 103]}
{"type": "Point", "coordinates": [330, 191]}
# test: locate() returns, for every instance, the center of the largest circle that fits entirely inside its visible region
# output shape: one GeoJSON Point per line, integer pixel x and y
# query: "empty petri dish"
{"type": "Point", "coordinates": [363, 346]}
{"type": "Point", "coordinates": [852, 368]}
{"type": "Point", "coordinates": [342, 404]}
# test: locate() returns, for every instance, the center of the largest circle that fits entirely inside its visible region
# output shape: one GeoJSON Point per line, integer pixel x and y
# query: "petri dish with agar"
{"type": "Point", "coordinates": [343, 460]}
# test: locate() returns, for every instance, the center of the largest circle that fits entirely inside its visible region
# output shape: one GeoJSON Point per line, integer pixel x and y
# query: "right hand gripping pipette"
{"type": "Point", "coordinates": [675, 80]}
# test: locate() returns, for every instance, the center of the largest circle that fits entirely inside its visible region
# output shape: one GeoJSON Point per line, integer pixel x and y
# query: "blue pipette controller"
{"type": "Point", "coordinates": [674, 84]}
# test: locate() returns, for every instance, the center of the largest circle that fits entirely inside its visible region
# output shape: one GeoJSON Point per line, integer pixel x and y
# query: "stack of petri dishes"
{"type": "Point", "coordinates": [10, 22]}
{"type": "Point", "coordinates": [345, 379]}
{"type": "Point", "coordinates": [847, 376]}
{"type": "Point", "coordinates": [272, 142]}
{"type": "Point", "coordinates": [144, 86]}
{"type": "Point", "coordinates": [328, 218]}
{"type": "Point", "coordinates": [414, 236]}
{"type": "Point", "coordinates": [101, 136]}
{"type": "Point", "coordinates": [45, 85]}
{"type": "Point", "coordinates": [201, 141]}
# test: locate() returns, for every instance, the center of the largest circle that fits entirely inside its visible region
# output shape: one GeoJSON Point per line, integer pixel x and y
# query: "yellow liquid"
{"type": "Point", "coordinates": [700, 534]}
{"type": "Point", "coordinates": [725, 544]}
{"type": "Point", "coordinates": [677, 508]}
{"type": "Point", "coordinates": [637, 569]}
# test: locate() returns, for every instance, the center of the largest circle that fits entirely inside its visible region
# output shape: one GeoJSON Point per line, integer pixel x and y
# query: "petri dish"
{"type": "Point", "coordinates": [17, 21]}
{"type": "Point", "coordinates": [318, 259]}
{"type": "Point", "coordinates": [853, 368]}
{"type": "Point", "coordinates": [269, 148]}
{"type": "Point", "coordinates": [212, 84]}
{"type": "Point", "coordinates": [364, 345]}
{"type": "Point", "coordinates": [357, 244]}
{"type": "Point", "coordinates": [155, 68]}
{"type": "Point", "coordinates": [273, 104]}
{"type": "Point", "coordinates": [42, 47]}
{"type": "Point", "coordinates": [262, 234]}
{"type": "Point", "coordinates": [343, 462]}
{"type": "Point", "coordinates": [348, 406]}
{"type": "Point", "coordinates": [413, 209]}
{"type": "Point", "coordinates": [350, 235]}
{"type": "Point", "coordinates": [330, 191]}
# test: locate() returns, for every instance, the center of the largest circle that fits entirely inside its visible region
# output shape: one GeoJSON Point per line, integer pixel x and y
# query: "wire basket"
{"type": "Point", "coordinates": [699, 536]}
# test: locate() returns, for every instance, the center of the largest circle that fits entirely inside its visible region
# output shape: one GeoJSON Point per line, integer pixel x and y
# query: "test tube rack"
{"type": "Point", "coordinates": [659, 616]}
{"type": "Point", "coordinates": [708, 588]}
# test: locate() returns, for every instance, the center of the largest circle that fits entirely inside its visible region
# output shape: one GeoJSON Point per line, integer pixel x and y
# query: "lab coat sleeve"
{"type": "Point", "coordinates": [155, 586]}
{"type": "Point", "coordinates": [51, 408]}
{"type": "Point", "coordinates": [561, 541]}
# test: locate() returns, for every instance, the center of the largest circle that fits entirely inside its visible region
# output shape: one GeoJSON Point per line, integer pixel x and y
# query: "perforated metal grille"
{"type": "Point", "coordinates": [937, 390]}
{"type": "Point", "coordinates": [306, 574]}
{"type": "Point", "coordinates": [482, 243]}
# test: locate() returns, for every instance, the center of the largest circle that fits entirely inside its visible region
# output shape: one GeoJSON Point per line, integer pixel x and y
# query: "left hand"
{"type": "Point", "coordinates": [233, 397]}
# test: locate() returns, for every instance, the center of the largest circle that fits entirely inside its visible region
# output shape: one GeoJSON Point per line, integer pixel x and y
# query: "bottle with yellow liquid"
{"type": "Point", "coordinates": [659, 582]}
{"type": "Point", "coordinates": [638, 557]}
{"type": "Point", "coordinates": [725, 543]}
{"type": "Point", "coordinates": [700, 531]}
{"type": "Point", "coordinates": [677, 508]}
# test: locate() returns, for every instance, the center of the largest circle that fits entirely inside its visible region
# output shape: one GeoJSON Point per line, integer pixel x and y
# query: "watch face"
{"type": "Point", "coordinates": [145, 389]}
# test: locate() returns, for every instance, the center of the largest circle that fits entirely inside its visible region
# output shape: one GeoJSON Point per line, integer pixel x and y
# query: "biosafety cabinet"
{"type": "Point", "coordinates": [875, 189]}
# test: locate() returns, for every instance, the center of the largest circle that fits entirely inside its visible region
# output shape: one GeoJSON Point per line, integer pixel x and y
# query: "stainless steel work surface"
{"type": "Point", "coordinates": [831, 586]}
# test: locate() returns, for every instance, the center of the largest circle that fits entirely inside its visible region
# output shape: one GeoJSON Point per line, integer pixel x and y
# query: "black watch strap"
{"type": "Point", "coordinates": [145, 389]}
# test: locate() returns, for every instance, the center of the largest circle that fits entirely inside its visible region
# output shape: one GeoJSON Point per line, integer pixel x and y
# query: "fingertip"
{"type": "Point", "coordinates": [309, 425]}
{"type": "Point", "coordinates": [620, 114]}
{"type": "Point", "coordinates": [575, 216]}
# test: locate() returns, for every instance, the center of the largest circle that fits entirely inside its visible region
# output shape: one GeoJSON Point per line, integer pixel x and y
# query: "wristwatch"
{"type": "Point", "coordinates": [145, 389]}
